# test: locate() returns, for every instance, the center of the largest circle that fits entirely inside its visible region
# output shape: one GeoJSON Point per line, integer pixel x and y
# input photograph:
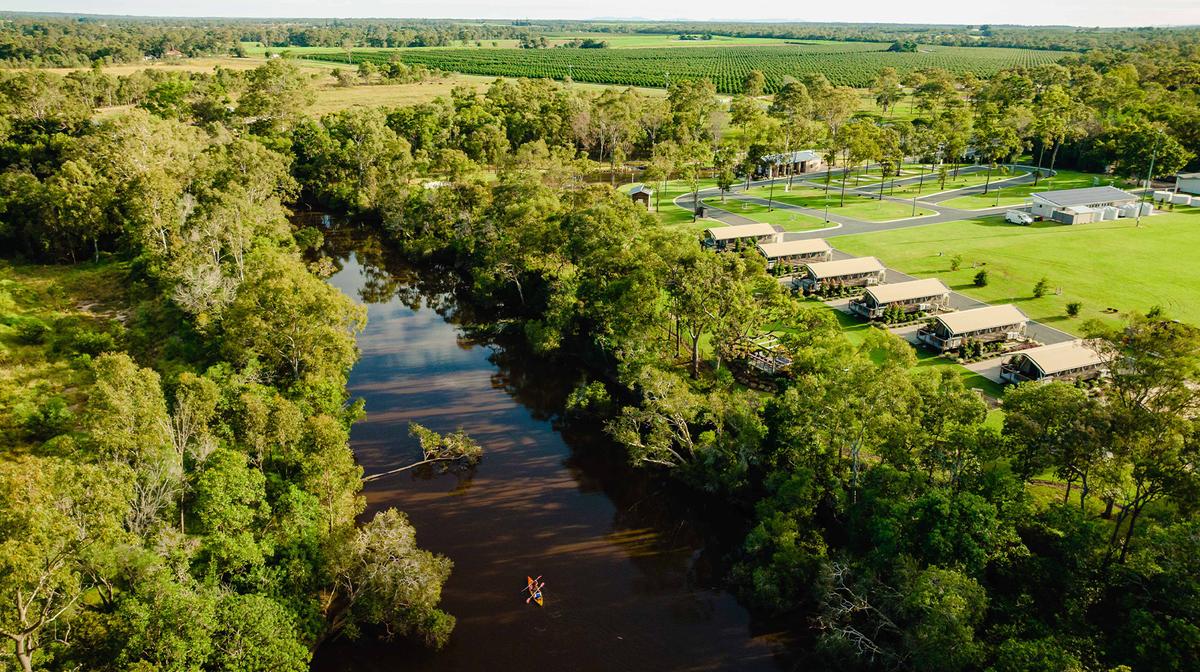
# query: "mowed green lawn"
{"type": "Point", "coordinates": [669, 213]}
{"type": "Point", "coordinates": [1102, 265]}
{"type": "Point", "coordinates": [1019, 193]}
{"type": "Point", "coordinates": [858, 207]}
{"type": "Point", "coordinates": [790, 220]}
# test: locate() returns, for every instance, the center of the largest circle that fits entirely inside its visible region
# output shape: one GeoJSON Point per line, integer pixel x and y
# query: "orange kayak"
{"type": "Point", "coordinates": [535, 593]}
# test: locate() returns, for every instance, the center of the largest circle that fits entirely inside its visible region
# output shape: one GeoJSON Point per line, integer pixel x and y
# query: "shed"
{"type": "Point", "coordinates": [1069, 360]}
{"type": "Point", "coordinates": [910, 296]}
{"type": "Point", "coordinates": [795, 251]}
{"type": "Point", "coordinates": [1077, 206]}
{"type": "Point", "coordinates": [641, 194]}
{"type": "Point", "coordinates": [989, 324]}
{"type": "Point", "coordinates": [858, 271]}
{"type": "Point", "coordinates": [727, 237]}
{"type": "Point", "coordinates": [1188, 183]}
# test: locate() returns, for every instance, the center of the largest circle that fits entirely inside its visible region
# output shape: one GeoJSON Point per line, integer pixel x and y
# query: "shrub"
{"type": "Point", "coordinates": [956, 262]}
{"type": "Point", "coordinates": [1039, 290]}
{"type": "Point", "coordinates": [93, 343]}
{"type": "Point", "coordinates": [31, 331]}
{"type": "Point", "coordinates": [44, 420]}
{"type": "Point", "coordinates": [981, 278]}
{"type": "Point", "coordinates": [1073, 308]}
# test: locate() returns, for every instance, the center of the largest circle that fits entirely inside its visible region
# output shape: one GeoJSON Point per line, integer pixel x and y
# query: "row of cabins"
{"type": "Point", "coordinates": [948, 331]}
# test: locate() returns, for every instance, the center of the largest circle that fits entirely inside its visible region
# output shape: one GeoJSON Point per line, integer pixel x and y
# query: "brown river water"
{"type": "Point", "coordinates": [632, 575]}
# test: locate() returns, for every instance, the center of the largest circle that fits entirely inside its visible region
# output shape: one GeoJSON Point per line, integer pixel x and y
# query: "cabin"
{"type": "Point", "coordinates": [789, 163]}
{"type": "Point", "coordinates": [723, 238]}
{"type": "Point", "coordinates": [928, 295]}
{"type": "Point", "coordinates": [1078, 206]}
{"type": "Point", "coordinates": [988, 324]}
{"type": "Point", "coordinates": [1072, 360]}
{"type": "Point", "coordinates": [641, 194]}
{"type": "Point", "coordinates": [795, 252]}
{"type": "Point", "coordinates": [856, 272]}
{"type": "Point", "coordinates": [1188, 183]}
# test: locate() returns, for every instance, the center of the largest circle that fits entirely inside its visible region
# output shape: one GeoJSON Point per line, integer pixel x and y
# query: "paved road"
{"type": "Point", "coordinates": [841, 226]}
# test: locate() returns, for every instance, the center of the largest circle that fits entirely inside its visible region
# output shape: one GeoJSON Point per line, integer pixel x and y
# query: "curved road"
{"type": "Point", "coordinates": [840, 225]}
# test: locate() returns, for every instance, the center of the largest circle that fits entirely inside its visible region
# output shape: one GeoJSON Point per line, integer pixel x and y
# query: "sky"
{"type": "Point", "coordinates": [1037, 12]}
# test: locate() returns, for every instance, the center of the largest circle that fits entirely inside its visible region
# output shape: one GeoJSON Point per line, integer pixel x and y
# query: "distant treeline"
{"type": "Point", "coordinates": [76, 40]}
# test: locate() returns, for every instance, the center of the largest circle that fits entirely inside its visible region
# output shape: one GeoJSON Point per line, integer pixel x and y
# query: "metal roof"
{"type": "Point", "coordinates": [740, 231]}
{"type": "Point", "coordinates": [833, 269]}
{"type": "Point", "coordinates": [1086, 196]}
{"type": "Point", "coordinates": [1188, 176]}
{"type": "Point", "coordinates": [905, 291]}
{"type": "Point", "coordinates": [1059, 357]}
{"type": "Point", "coordinates": [641, 189]}
{"type": "Point", "coordinates": [979, 319]}
{"type": "Point", "coordinates": [792, 157]}
{"type": "Point", "coordinates": [792, 247]}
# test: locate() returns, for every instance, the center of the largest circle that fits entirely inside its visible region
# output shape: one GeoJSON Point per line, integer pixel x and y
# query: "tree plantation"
{"type": "Point", "coordinates": [178, 489]}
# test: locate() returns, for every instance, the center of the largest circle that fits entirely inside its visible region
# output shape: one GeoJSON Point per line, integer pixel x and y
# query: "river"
{"type": "Point", "coordinates": [632, 578]}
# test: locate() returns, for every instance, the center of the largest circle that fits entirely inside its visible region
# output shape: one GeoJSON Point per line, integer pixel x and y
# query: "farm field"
{"type": "Point", "coordinates": [1019, 193]}
{"type": "Point", "coordinates": [1102, 265]}
{"type": "Point", "coordinates": [848, 64]}
{"type": "Point", "coordinates": [858, 207]}
{"type": "Point", "coordinates": [789, 220]}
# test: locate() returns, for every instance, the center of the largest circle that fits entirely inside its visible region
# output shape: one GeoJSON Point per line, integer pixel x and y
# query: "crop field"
{"type": "Point", "coordinates": [844, 63]}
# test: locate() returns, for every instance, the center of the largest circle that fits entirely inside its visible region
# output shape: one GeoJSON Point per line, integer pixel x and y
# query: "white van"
{"type": "Point", "coordinates": [1018, 217]}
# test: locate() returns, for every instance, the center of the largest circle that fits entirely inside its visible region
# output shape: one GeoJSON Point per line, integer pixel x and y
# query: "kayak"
{"type": "Point", "coordinates": [534, 590]}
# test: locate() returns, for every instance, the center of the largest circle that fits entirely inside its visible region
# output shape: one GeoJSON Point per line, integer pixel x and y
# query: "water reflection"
{"type": "Point", "coordinates": [631, 576]}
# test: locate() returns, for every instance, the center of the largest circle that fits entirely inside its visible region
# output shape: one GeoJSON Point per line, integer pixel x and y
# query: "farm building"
{"type": "Point", "coordinates": [1078, 206]}
{"type": "Point", "coordinates": [857, 272]}
{"type": "Point", "coordinates": [795, 252]}
{"type": "Point", "coordinates": [1071, 360]}
{"type": "Point", "coordinates": [790, 163]}
{"type": "Point", "coordinates": [911, 296]}
{"type": "Point", "coordinates": [734, 237]}
{"type": "Point", "coordinates": [641, 194]}
{"type": "Point", "coordinates": [1188, 183]}
{"type": "Point", "coordinates": [987, 324]}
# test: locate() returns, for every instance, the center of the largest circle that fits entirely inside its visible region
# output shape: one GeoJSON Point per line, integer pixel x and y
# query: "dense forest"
{"type": "Point", "coordinates": [34, 40]}
{"type": "Point", "coordinates": [183, 496]}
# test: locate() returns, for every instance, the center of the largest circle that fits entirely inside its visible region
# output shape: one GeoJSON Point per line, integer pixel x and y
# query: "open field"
{"type": "Point", "coordinates": [789, 220]}
{"type": "Point", "coordinates": [1102, 265]}
{"type": "Point", "coordinates": [1019, 193]}
{"type": "Point", "coordinates": [848, 64]}
{"type": "Point", "coordinates": [858, 207]}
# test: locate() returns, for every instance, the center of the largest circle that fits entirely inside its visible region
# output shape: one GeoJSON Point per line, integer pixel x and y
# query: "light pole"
{"type": "Point", "coordinates": [1149, 176]}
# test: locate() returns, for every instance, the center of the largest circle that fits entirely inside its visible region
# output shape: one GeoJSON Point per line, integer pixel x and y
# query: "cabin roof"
{"type": "Point", "coordinates": [1065, 198]}
{"type": "Point", "coordinates": [1059, 357]}
{"type": "Point", "coordinates": [740, 231]}
{"type": "Point", "coordinates": [791, 247]}
{"type": "Point", "coordinates": [641, 189]}
{"type": "Point", "coordinates": [978, 319]}
{"type": "Point", "coordinates": [833, 269]}
{"type": "Point", "coordinates": [904, 291]}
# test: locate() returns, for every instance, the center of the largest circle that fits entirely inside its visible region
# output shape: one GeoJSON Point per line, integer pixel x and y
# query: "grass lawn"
{"type": "Point", "coordinates": [972, 179]}
{"type": "Point", "coordinates": [858, 207]}
{"type": "Point", "coordinates": [1102, 265]}
{"type": "Point", "coordinates": [790, 220]}
{"type": "Point", "coordinates": [669, 213]}
{"type": "Point", "coordinates": [1019, 193]}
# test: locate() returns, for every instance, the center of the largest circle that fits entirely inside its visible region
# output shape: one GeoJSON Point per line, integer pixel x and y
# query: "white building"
{"type": "Point", "coordinates": [1077, 206]}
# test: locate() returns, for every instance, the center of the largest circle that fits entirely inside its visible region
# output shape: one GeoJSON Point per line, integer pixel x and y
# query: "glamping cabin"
{"type": "Point", "coordinates": [928, 295]}
{"type": "Point", "coordinates": [794, 252]}
{"type": "Point", "coordinates": [723, 238]}
{"type": "Point", "coordinates": [988, 324]}
{"type": "Point", "coordinates": [856, 272]}
{"type": "Point", "coordinates": [1071, 360]}
{"type": "Point", "coordinates": [641, 194]}
{"type": "Point", "coordinates": [1077, 206]}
